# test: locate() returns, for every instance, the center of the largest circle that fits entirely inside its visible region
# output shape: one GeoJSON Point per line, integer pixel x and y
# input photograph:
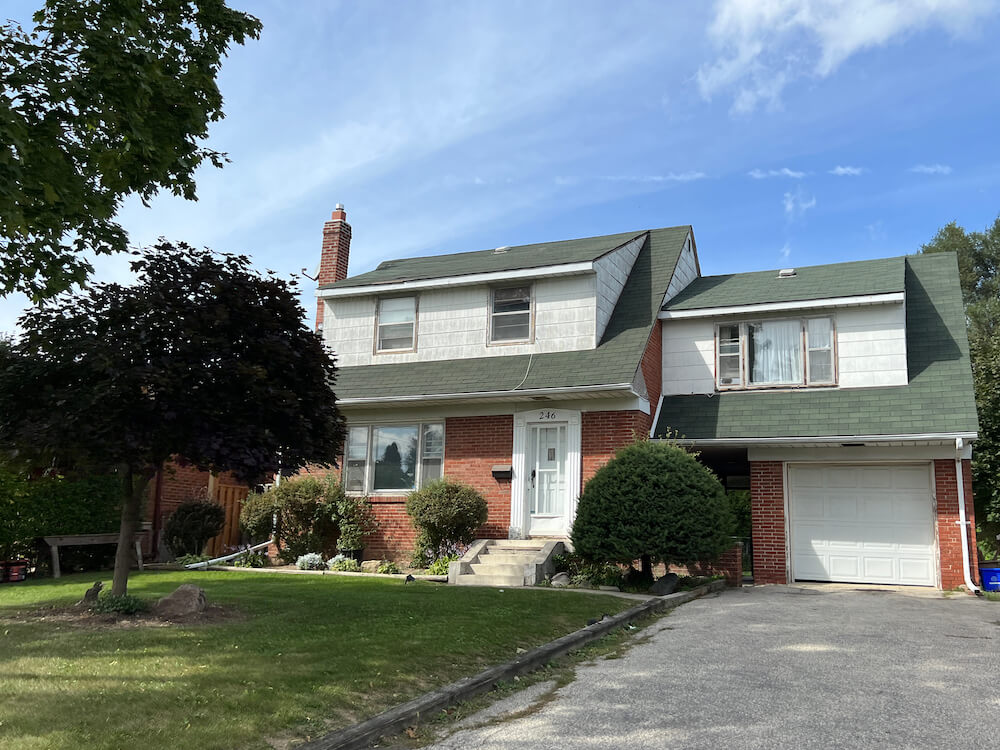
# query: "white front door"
{"type": "Point", "coordinates": [547, 485]}
{"type": "Point", "coordinates": [862, 523]}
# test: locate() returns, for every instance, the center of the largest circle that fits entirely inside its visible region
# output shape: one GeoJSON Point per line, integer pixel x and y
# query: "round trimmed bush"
{"type": "Point", "coordinates": [446, 515]}
{"type": "Point", "coordinates": [652, 502]}
{"type": "Point", "coordinates": [306, 511]}
{"type": "Point", "coordinates": [189, 528]}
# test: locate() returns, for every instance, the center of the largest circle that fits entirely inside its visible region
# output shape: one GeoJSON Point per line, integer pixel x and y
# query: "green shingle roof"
{"type": "Point", "coordinates": [615, 360]}
{"type": "Point", "coordinates": [813, 282]}
{"type": "Point", "coordinates": [938, 398]}
{"type": "Point", "coordinates": [489, 261]}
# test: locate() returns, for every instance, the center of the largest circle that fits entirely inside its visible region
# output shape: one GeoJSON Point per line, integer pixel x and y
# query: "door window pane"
{"type": "Point", "coordinates": [775, 352]}
{"type": "Point", "coordinates": [395, 450]}
{"type": "Point", "coordinates": [396, 319]}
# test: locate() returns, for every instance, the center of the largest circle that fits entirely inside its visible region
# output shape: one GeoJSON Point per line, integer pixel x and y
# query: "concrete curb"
{"type": "Point", "coordinates": [396, 719]}
{"type": "Point", "coordinates": [348, 573]}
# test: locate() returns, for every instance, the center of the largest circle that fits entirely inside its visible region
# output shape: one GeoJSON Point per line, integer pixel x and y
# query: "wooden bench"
{"type": "Point", "coordinates": [80, 540]}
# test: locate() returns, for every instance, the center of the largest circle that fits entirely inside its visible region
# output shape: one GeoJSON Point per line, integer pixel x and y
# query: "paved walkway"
{"type": "Point", "coordinates": [783, 666]}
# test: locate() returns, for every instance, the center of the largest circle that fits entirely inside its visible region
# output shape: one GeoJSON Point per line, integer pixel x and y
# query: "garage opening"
{"type": "Point", "coordinates": [864, 523]}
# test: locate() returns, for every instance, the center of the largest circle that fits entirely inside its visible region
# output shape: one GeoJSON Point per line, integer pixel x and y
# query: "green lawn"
{"type": "Point", "coordinates": [313, 653]}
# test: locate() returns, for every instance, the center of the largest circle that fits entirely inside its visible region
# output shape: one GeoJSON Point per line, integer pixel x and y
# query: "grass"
{"type": "Point", "coordinates": [312, 654]}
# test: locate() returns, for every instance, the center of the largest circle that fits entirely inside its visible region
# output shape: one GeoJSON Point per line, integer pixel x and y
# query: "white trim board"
{"type": "Point", "coordinates": [766, 307]}
{"type": "Point", "coordinates": [835, 440]}
{"type": "Point", "coordinates": [563, 269]}
{"type": "Point", "coordinates": [527, 392]}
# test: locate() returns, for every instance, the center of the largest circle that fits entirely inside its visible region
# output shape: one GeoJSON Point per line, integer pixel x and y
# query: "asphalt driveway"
{"type": "Point", "coordinates": [783, 666]}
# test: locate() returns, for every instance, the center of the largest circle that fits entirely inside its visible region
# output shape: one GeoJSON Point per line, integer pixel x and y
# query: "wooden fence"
{"type": "Point", "coordinates": [230, 497]}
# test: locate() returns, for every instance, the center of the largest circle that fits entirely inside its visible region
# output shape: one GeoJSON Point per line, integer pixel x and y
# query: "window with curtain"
{"type": "Point", "coordinates": [393, 458]}
{"type": "Point", "coordinates": [396, 327]}
{"type": "Point", "coordinates": [763, 353]}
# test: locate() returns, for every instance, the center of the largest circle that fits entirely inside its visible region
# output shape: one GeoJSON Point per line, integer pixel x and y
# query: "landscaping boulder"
{"type": "Point", "coordinates": [560, 580]}
{"type": "Point", "coordinates": [370, 566]}
{"type": "Point", "coordinates": [187, 599]}
{"type": "Point", "coordinates": [665, 585]}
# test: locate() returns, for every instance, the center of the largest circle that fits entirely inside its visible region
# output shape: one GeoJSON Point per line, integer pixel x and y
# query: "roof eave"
{"type": "Point", "coordinates": [516, 394]}
{"type": "Point", "coordinates": [859, 300]}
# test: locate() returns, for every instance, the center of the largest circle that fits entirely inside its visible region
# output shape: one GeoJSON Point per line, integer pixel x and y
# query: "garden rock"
{"type": "Point", "coordinates": [370, 566]}
{"type": "Point", "coordinates": [187, 599]}
{"type": "Point", "coordinates": [665, 585]}
{"type": "Point", "coordinates": [560, 580]}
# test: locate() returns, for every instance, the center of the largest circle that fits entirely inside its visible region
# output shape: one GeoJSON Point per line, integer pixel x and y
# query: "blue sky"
{"type": "Point", "coordinates": [787, 133]}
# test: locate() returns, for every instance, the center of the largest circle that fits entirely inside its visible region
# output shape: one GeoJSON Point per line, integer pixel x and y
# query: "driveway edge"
{"type": "Point", "coordinates": [398, 718]}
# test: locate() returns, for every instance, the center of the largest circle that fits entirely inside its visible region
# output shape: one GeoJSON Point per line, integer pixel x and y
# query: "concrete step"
{"type": "Point", "coordinates": [484, 580]}
{"type": "Point", "coordinates": [535, 544]}
{"type": "Point", "coordinates": [505, 558]}
{"type": "Point", "coordinates": [493, 569]}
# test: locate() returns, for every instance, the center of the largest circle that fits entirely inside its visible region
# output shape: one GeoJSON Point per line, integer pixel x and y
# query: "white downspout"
{"type": "Point", "coordinates": [962, 522]}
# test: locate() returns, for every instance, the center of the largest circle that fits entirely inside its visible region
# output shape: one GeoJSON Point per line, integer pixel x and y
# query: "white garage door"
{"type": "Point", "coordinates": [864, 524]}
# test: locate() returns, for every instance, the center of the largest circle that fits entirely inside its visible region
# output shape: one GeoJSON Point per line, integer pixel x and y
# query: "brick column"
{"type": "Point", "coordinates": [767, 515]}
{"type": "Point", "coordinates": [334, 258]}
{"type": "Point", "coordinates": [949, 535]}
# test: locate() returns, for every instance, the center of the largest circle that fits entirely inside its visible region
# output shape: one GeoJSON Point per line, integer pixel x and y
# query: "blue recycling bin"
{"type": "Point", "coordinates": [991, 578]}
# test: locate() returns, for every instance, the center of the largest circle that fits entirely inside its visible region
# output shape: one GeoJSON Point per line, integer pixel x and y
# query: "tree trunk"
{"type": "Point", "coordinates": [647, 567]}
{"type": "Point", "coordinates": [133, 487]}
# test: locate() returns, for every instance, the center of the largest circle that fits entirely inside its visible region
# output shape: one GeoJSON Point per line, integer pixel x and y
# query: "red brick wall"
{"type": "Point", "coordinates": [603, 432]}
{"type": "Point", "coordinates": [767, 514]}
{"type": "Point", "coordinates": [948, 531]}
{"type": "Point", "coordinates": [652, 365]}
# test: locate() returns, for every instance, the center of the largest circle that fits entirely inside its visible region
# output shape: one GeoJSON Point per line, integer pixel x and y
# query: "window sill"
{"type": "Point", "coordinates": [395, 351]}
{"type": "Point", "coordinates": [779, 387]}
{"type": "Point", "coordinates": [520, 342]}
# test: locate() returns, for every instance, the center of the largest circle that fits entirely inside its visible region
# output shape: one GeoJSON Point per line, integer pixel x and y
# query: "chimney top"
{"type": "Point", "coordinates": [339, 214]}
{"type": "Point", "coordinates": [339, 207]}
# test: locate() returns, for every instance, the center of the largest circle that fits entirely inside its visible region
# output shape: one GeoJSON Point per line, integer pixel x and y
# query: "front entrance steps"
{"type": "Point", "coordinates": [506, 562]}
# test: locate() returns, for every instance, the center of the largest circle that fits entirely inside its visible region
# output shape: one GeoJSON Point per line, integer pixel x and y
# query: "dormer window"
{"type": "Point", "coordinates": [775, 353]}
{"type": "Point", "coordinates": [396, 327]}
{"type": "Point", "coordinates": [510, 314]}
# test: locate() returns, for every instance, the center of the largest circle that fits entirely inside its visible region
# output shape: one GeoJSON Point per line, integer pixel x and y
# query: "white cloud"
{"type": "Point", "coordinates": [796, 204]}
{"type": "Point", "coordinates": [931, 169]}
{"type": "Point", "coordinates": [785, 251]}
{"type": "Point", "coordinates": [668, 177]}
{"type": "Point", "coordinates": [840, 171]}
{"type": "Point", "coordinates": [760, 174]}
{"type": "Point", "coordinates": [766, 44]}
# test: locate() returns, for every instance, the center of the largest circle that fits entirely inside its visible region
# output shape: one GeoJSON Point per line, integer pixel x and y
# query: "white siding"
{"type": "Point", "coordinates": [452, 323]}
{"type": "Point", "coordinates": [685, 272]}
{"type": "Point", "coordinates": [688, 357]}
{"type": "Point", "coordinates": [871, 346]}
{"type": "Point", "coordinates": [612, 273]}
{"type": "Point", "coordinates": [871, 350]}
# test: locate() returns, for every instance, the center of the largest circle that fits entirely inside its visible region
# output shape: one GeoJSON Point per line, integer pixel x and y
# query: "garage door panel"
{"type": "Point", "coordinates": [862, 524]}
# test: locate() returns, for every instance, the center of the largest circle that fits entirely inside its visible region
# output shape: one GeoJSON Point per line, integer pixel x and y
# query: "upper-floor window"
{"type": "Point", "coordinates": [396, 326]}
{"type": "Point", "coordinates": [394, 457]}
{"type": "Point", "coordinates": [510, 314]}
{"type": "Point", "coordinates": [763, 353]}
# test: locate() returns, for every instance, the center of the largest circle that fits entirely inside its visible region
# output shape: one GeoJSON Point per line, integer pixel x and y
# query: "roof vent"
{"type": "Point", "coordinates": [786, 273]}
{"type": "Point", "coordinates": [501, 250]}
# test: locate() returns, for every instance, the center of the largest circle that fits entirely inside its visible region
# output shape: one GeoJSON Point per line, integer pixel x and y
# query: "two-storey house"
{"type": "Point", "coordinates": [840, 396]}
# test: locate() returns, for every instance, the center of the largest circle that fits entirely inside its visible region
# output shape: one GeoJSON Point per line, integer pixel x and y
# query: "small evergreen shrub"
{"type": "Point", "coordinates": [652, 502]}
{"type": "Point", "coordinates": [344, 564]}
{"type": "Point", "coordinates": [302, 512]}
{"type": "Point", "coordinates": [355, 520]}
{"type": "Point", "coordinates": [126, 604]}
{"type": "Point", "coordinates": [446, 515]}
{"type": "Point", "coordinates": [440, 566]}
{"type": "Point", "coordinates": [310, 561]}
{"type": "Point", "coordinates": [189, 528]}
{"type": "Point", "coordinates": [387, 567]}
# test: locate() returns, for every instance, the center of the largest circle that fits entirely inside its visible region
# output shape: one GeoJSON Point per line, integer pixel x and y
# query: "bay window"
{"type": "Point", "coordinates": [771, 353]}
{"type": "Point", "coordinates": [394, 458]}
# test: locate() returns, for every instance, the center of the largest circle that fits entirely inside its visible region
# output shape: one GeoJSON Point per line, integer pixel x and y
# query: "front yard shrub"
{"type": "Point", "coordinates": [355, 520]}
{"type": "Point", "coordinates": [301, 512]}
{"type": "Point", "coordinates": [652, 502]}
{"type": "Point", "coordinates": [344, 564]}
{"type": "Point", "coordinates": [126, 604]}
{"type": "Point", "coordinates": [582, 572]}
{"type": "Point", "coordinates": [440, 566]}
{"type": "Point", "coordinates": [387, 567]}
{"type": "Point", "coordinates": [310, 561]}
{"type": "Point", "coordinates": [189, 528]}
{"type": "Point", "coordinates": [446, 515]}
{"type": "Point", "coordinates": [191, 559]}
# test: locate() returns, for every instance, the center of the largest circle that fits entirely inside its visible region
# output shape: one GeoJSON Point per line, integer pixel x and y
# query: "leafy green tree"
{"type": "Point", "coordinates": [101, 100]}
{"type": "Point", "coordinates": [979, 272]}
{"type": "Point", "coordinates": [202, 358]}
{"type": "Point", "coordinates": [652, 502]}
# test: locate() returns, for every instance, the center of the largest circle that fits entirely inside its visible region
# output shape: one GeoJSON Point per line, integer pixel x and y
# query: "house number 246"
{"type": "Point", "coordinates": [546, 415]}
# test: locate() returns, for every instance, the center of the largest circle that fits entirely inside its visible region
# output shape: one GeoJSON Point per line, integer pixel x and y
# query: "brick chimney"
{"type": "Point", "coordinates": [336, 250]}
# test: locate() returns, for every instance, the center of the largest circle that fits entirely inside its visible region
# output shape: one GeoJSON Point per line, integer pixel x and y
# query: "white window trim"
{"type": "Point", "coordinates": [369, 490]}
{"type": "Point", "coordinates": [807, 382]}
{"type": "Point", "coordinates": [416, 319]}
{"type": "Point", "coordinates": [531, 316]}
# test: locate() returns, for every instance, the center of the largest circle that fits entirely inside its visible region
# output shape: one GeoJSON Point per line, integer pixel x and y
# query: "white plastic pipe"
{"type": "Point", "coordinates": [963, 525]}
{"type": "Point", "coordinates": [206, 563]}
